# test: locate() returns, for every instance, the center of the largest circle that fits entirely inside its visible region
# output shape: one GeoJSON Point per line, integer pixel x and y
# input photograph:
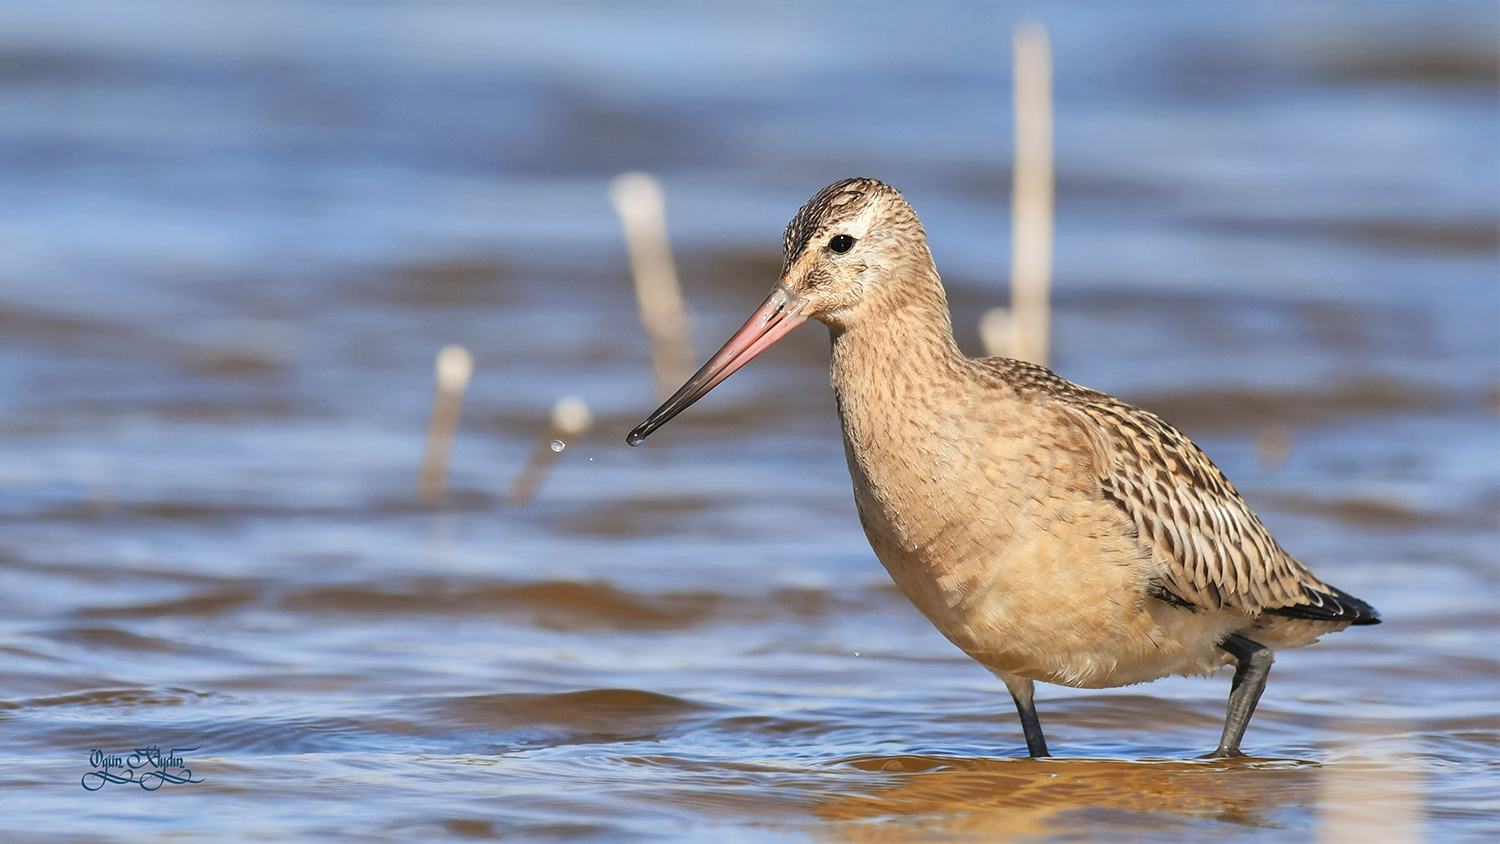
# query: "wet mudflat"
{"type": "Point", "coordinates": [233, 242]}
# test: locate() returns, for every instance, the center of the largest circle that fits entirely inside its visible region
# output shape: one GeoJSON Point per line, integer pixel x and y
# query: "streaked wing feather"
{"type": "Point", "coordinates": [1215, 550]}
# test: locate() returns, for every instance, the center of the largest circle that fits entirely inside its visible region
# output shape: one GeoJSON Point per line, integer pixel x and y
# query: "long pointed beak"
{"type": "Point", "coordinates": [780, 313]}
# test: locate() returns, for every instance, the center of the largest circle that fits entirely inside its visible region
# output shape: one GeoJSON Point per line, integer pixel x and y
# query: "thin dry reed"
{"type": "Point", "coordinates": [638, 200]}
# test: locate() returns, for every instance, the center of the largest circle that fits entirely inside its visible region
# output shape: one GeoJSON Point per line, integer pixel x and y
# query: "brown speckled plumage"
{"type": "Point", "coordinates": [1052, 532]}
{"type": "Point", "coordinates": [835, 201]}
{"type": "Point", "coordinates": [1216, 551]}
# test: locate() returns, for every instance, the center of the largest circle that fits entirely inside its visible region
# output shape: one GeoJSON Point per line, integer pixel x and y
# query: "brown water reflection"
{"type": "Point", "coordinates": [939, 798]}
{"type": "Point", "coordinates": [598, 712]}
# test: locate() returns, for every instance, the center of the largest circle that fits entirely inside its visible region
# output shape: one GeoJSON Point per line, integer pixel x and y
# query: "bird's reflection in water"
{"type": "Point", "coordinates": [942, 798]}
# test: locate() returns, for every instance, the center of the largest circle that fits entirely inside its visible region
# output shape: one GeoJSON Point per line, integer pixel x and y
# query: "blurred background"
{"type": "Point", "coordinates": [233, 236]}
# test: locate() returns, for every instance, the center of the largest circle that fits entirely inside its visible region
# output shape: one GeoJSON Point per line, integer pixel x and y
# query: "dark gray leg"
{"type": "Point", "coordinates": [1021, 692]}
{"type": "Point", "coordinates": [1254, 665]}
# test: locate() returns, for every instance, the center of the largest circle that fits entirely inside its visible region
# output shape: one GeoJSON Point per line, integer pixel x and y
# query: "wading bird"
{"type": "Point", "coordinates": [1051, 532]}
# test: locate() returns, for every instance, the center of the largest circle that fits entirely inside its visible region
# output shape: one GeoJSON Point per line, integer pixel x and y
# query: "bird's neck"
{"type": "Point", "coordinates": [900, 383]}
{"type": "Point", "coordinates": [898, 378]}
{"type": "Point", "coordinates": [898, 348]}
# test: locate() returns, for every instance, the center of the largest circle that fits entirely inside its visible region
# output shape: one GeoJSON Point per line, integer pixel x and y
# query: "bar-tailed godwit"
{"type": "Point", "coordinates": [1052, 532]}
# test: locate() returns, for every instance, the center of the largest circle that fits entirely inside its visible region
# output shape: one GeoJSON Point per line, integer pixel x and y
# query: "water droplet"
{"type": "Point", "coordinates": [558, 445]}
{"type": "Point", "coordinates": [635, 439]}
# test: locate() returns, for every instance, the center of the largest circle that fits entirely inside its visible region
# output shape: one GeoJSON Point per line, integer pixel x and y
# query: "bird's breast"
{"type": "Point", "coordinates": [944, 499]}
{"type": "Point", "coordinates": [988, 523]}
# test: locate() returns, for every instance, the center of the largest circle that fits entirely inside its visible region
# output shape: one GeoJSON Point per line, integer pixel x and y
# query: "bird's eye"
{"type": "Point", "coordinates": [841, 243]}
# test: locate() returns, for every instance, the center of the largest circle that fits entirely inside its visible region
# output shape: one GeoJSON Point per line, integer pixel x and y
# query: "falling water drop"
{"type": "Point", "coordinates": [558, 445]}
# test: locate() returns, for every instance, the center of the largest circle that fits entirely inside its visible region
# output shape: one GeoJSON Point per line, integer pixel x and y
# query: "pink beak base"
{"type": "Point", "coordinates": [775, 317]}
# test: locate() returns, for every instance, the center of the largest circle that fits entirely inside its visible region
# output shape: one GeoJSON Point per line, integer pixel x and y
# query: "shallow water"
{"type": "Point", "coordinates": [232, 239]}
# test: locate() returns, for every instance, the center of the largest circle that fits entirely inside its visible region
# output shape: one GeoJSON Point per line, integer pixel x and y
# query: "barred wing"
{"type": "Point", "coordinates": [1216, 551]}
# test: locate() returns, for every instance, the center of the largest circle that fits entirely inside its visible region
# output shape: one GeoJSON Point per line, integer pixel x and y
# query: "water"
{"type": "Point", "coordinates": [233, 237]}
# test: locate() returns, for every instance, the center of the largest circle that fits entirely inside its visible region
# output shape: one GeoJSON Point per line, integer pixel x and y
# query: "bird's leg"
{"type": "Point", "coordinates": [1253, 665]}
{"type": "Point", "coordinates": [1021, 691]}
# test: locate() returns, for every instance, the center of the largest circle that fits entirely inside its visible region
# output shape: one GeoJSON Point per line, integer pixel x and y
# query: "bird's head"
{"type": "Point", "coordinates": [844, 248]}
{"type": "Point", "coordinates": [840, 257]}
